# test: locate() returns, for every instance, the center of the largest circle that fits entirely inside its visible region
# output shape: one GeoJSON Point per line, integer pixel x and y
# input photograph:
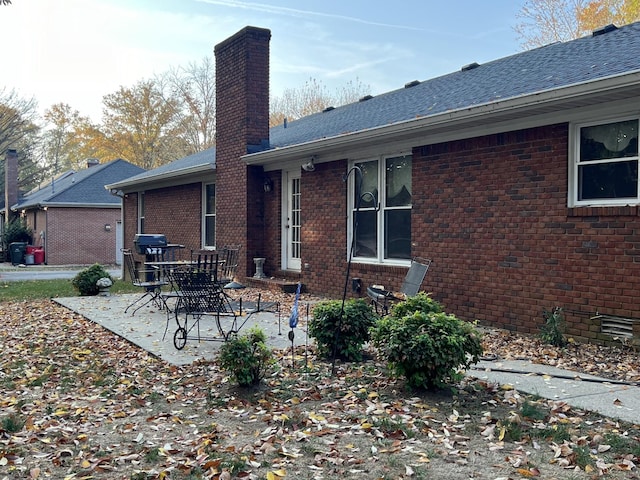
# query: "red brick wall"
{"type": "Point", "coordinates": [242, 113]}
{"type": "Point", "coordinates": [175, 212]}
{"type": "Point", "coordinates": [491, 212]}
{"type": "Point", "coordinates": [129, 219]}
{"type": "Point", "coordinates": [273, 226]}
{"type": "Point", "coordinates": [76, 236]}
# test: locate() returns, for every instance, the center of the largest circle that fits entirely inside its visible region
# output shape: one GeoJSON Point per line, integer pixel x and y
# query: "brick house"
{"type": "Point", "coordinates": [518, 178]}
{"type": "Point", "coordinates": [74, 218]}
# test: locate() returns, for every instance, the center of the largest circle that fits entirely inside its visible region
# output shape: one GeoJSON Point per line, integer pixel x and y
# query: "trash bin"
{"type": "Point", "coordinates": [28, 255]}
{"type": "Point", "coordinates": [38, 255]}
{"type": "Point", "coordinates": [16, 252]}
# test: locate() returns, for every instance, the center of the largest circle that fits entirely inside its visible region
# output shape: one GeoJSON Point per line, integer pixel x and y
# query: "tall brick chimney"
{"type": "Point", "coordinates": [10, 182]}
{"type": "Point", "coordinates": [242, 125]}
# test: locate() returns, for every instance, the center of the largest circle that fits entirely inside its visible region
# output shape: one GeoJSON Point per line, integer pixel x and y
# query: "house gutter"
{"type": "Point", "coordinates": [17, 208]}
{"type": "Point", "coordinates": [421, 126]}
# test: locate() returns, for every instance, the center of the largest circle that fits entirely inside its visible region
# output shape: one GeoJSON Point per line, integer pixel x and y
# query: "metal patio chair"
{"type": "Point", "coordinates": [145, 278]}
{"type": "Point", "coordinates": [200, 296]}
{"type": "Point", "coordinates": [383, 299]}
{"type": "Point", "coordinates": [229, 257]}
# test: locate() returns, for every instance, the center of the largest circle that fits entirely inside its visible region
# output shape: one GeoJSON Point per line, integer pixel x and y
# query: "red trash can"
{"type": "Point", "coordinates": [38, 255]}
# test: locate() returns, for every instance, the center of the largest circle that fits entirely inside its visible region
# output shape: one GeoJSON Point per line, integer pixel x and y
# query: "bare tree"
{"type": "Point", "coordinates": [312, 97]}
{"type": "Point", "coordinates": [548, 21]}
{"type": "Point", "coordinates": [19, 130]}
{"type": "Point", "coordinates": [194, 88]}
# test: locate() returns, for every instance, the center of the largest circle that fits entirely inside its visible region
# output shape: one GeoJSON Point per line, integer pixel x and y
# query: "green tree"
{"type": "Point", "coordinates": [61, 142]}
{"type": "Point", "coordinates": [142, 126]}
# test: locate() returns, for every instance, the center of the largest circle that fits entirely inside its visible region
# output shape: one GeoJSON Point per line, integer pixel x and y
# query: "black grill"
{"type": "Point", "coordinates": [150, 243]}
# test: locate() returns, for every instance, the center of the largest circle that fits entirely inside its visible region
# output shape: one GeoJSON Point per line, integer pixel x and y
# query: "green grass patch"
{"type": "Point", "coordinates": [557, 433]}
{"type": "Point", "coordinates": [532, 411]}
{"type": "Point", "coordinates": [12, 423]}
{"type": "Point", "coordinates": [56, 288]}
{"type": "Point", "coordinates": [622, 445]}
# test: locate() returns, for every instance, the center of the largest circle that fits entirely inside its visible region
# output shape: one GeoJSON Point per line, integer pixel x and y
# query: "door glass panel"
{"type": "Point", "coordinates": [294, 221]}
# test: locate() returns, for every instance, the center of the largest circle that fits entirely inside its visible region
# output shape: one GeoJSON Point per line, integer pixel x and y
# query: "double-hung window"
{"type": "Point", "coordinates": [380, 203]}
{"type": "Point", "coordinates": [141, 212]}
{"type": "Point", "coordinates": [605, 164]}
{"type": "Point", "coordinates": [209, 213]}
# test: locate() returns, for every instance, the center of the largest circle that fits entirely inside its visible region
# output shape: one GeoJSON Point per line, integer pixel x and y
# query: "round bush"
{"type": "Point", "coordinates": [347, 335]}
{"type": "Point", "coordinates": [85, 281]}
{"type": "Point", "coordinates": [247, 358]}
{"type": "Point", "coordinates": [425, 345]}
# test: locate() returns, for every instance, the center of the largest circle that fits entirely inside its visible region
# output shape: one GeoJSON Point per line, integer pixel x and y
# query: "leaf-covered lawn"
{"type": "Point", "coordinates": [77, 402]}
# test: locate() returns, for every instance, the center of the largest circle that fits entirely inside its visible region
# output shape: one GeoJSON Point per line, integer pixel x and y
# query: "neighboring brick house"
{"type": "Point", "coordinates": [74, 218]}
{"type": "Point", "coordinates": [518, 178]}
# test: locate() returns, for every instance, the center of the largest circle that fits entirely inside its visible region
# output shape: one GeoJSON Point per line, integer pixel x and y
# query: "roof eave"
{"type": "Point", "coordinates": [152, 180]}
{"type": "Point", "coordinates": [41, 205]}
{"type": "Point", "coordinates": [421, 125]}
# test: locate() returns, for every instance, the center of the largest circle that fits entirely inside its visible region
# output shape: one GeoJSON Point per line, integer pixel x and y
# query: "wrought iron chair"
{"type": "Point", "coordinates": [206, 261]}
{"type": "Point", "coordinates": [146, 278]}
{"type": "Point", "coordinates": [383, 299]}
{"type": "Point", "coordinates": [229, 257]}
{"type": "Point", "coordinates": [201, 296]}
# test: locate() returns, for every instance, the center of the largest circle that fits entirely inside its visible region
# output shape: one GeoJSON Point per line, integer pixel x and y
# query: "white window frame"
{"type": "Point", "coordinates": [379, 259]}
{"type": "Point", "coordinates": [574, 162]}
{"type": "Point", "coordinates": [141, 213]}
{"type": "Point", "coordinates": [206, 215]}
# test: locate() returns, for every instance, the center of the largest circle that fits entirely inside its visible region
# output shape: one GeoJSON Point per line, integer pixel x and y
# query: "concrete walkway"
{"type": "Point", "coordinates": [16, 273]}
{"type": "Point", "coordinates": [146, 329]}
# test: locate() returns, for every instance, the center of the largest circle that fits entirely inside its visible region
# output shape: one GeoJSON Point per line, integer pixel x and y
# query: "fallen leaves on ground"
{"type": "Point", "coordinates": [78, 402]}
{"type": "Point", "coordinates": [616, 363]}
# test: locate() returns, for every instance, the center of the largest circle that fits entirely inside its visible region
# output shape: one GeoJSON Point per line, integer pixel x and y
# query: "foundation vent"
{"type": "Point", "coordinates": [616, 326]}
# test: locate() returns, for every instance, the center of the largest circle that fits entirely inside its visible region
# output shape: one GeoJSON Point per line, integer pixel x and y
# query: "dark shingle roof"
{"type": "Point", "coordinates": [200, 159]}
{"type": "Point", "coordinates": [545, 68]}
{"type": "Point", "coordinates": [551, 67]}
{"type": "Point", "coordinates": [85, 187]}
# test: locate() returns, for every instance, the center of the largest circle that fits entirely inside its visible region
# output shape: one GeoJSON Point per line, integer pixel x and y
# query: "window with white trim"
{"type": "Point", "coordinates": [209, 214]}
{"type": "Point", "coordinates": [604, 167]}
{"type": "Point", "coordinates": [380, 202]}
{"type": "Point", "coordinates": [141, 212]}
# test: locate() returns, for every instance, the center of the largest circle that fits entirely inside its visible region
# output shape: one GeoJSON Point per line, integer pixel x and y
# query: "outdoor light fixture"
{"type": "Point", "coordinates": [267, 184]}
{"type": "Point", "coordinates": [107, 228]}
{"type": "Point", "coordinates": [310, 165]}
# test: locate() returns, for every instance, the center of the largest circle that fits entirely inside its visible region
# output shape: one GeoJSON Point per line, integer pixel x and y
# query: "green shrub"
{"type": "Point", "coordinates": [85, 280]}
{"type": "Point", "coordinates": [552, 332]}
{"type": "Point", "coordinates": [246, 358]}
{"type": "Point", "coordinates": [353, 328]}
{"type": "Point", "coordinates": [16, 231]}
{"type": "Point", "coordinates": [425, 345]}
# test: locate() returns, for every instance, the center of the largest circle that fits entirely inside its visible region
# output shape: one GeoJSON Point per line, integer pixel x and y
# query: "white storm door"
{"type": "Point", "coordinates": [292, 220]}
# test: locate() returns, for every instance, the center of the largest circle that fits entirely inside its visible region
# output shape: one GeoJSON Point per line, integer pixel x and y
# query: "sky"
{"type": "Point", "coordinates": [77, 51]}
